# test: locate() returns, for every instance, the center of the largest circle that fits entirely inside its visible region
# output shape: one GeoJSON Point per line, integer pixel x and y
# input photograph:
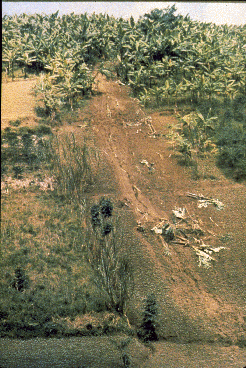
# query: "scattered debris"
{"type": "Point", "coordinates": [204, 252]}
{"type": "Point", "coordinates": [204, 201]}
{"type": "Point", "coordinates": [46, 184]}
{"type": "Point", "coordinates": [187, 231]}
{"type": "Point", "coordinates": [149, 165]}
{"type": "Point", "coordinates": [166, 248]}
{"type": "Point", "coordinates": [158, 228]}
{"type": "Point", "coordinates": [82, 125]}
{"type": "Point", "coordinates": [180, 213]}
{"type": "Point", "coordinates": [204, 258]}
{"type": "Point", "coordinates": [136, 190]}
{"type": "Point", "coordinates": [147, 121]}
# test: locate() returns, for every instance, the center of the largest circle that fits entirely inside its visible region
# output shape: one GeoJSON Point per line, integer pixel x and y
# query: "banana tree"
{"type": "Point", "coordinates": [27, 60]}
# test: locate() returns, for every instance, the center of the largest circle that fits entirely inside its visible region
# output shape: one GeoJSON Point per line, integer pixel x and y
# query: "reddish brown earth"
{"type": "Point", "coordinates": [195, 304]}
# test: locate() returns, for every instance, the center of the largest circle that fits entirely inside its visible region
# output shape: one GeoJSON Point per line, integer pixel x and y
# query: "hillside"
{"type": "Point", "coordinates": [210, 300]}
{"type": "Point", "coordinates": [139, 172]}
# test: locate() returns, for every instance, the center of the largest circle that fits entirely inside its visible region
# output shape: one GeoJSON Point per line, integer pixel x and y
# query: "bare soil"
{"type": "Point", "coordinates": [200, 306]}
{"type": "Point", "coordinates": [18, 101]}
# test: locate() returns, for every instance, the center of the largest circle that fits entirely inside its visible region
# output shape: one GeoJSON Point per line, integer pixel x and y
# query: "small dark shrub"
{"type": "Point", "coordinates": [147, 331]}
{"type": "Point", "coordinates": [43, 130]}
{"type": "Point", "coordinates": [126, 360]}
{"type": "Point", "coordinates": [106, 207]}
{"type": "Point", "coordinates": [168, 232]}
{"type": "Point", "coordinates": [107, 228]}
{"type": "Point", "coordinates": [18, 170]}
{"type": "Point", "coordinates": [15, 123]}
{"type": "Point", "coordinates": [21, 280]}
{"type": "Point", "coordinates": [95, 216]}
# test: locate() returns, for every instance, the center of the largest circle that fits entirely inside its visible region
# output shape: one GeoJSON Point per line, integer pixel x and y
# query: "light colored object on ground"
{"type": "Point", "coordinates": [10, 183]}
{"type": "Point", "coordinates": [180, 213]}
{"type": "Point", "coordinates": [149, 165]}
{"type": "Point", "coordinates": [185, 229]}
{"type": "Point", "coordinates": [204, 201]}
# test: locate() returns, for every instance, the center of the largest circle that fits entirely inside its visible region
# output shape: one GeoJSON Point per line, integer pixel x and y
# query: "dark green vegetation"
{"type": "Point", "coordinates": [166, 59]}
{"type": "Point", "coordinates": [147, 331]}
{"type": "Point", "coordinates": [219, 131]}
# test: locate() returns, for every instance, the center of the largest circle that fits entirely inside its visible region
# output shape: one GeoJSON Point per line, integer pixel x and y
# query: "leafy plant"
{"type": "Point", "coordinates": [21, 280]}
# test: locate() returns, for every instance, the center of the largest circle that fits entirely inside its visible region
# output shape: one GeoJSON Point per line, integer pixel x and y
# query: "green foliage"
{"type": "Point", "coordinates": [147, 331]}
{"type": "Point", "coordinates": [232, 150]}
{"type": "Point", "coordinates": [194, 135]}
{"type": "Point", "coordinates": [43, 272]}
{"type": "Point", "coordinates": [21, 280]}
{"type": "Point", "coordinates": [163, 56]}
{"type": "Point", "coordinates": [24, 149]}
{"type": "Point", "coordinates": [15, 123]}
{"type": "Point", "coordinates": [106, 207]}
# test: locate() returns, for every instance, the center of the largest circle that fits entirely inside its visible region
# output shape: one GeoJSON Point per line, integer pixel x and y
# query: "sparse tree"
{"type": "Point", "coordinates": [111, 269]}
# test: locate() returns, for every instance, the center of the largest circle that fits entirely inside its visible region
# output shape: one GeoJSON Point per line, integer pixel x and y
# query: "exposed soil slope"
{"type": "Point", "coordinates": [195, 303]}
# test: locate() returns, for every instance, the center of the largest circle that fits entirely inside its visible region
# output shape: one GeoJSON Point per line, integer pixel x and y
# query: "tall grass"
{"type": "Point", "coordinates": [73, 165]}
{"type": "Point", "coordinates": [105, 254]}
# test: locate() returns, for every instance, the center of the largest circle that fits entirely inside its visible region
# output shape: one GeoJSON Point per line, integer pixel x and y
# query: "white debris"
{"type": "Point", "coordinates": [184, 232]}
{"type": "Point", "coordinates": [204, 201]}
{"type": "Point", "coordinates": [204, 258]}
{"type": "Point", "coordinates": [46, 184]}
{"type": "Point", "coordinates": [156, 230]}
{"type": "Point", "coordinates": [149, 165]}
{"type": "Point", "coordinates": [179, 213]}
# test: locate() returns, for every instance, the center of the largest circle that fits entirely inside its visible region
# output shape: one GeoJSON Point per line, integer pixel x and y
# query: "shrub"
{"type": "Point", "coordinates": [147, 331]}
{"type": "Point", "coordinates": [21, 280]}
{"type": "Point", "coordinates": [106, 207]}
{"type": "Point", "coordinates": [232, 150]}
{"type": "Point", "coordinates": [95, 216]}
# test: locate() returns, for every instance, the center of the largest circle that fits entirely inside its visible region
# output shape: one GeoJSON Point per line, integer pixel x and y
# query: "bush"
{"type": "Point", "coordinates": [147, 331]}
{"type": "Point", "coordinates": [106, 207]}
{"type": "Point", "coordinates": [232, 150]}
{"type": "Point", "coordinates": [21, 280]}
